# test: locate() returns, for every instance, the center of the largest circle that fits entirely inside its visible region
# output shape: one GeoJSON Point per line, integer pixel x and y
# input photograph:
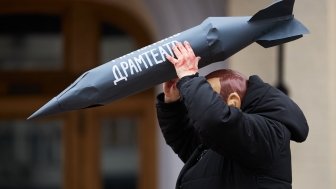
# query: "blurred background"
{"type": "Point", "coordinates": [46, 44]}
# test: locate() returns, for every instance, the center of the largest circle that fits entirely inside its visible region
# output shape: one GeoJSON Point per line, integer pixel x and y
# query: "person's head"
{"type": "Point", "coordinates": [230, 85]}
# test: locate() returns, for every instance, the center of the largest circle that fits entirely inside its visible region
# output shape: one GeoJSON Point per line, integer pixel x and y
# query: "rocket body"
{"type": "Point", "coordinates": [215, 39]}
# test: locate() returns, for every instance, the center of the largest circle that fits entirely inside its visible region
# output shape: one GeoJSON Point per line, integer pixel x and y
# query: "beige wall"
{"type": "Point", "coordinates": [331, 19]}
{"type": "Point", "coordinates": [310, 76]}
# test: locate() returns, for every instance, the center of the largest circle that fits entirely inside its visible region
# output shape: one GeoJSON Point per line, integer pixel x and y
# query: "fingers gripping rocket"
{"type": "Point", "coordinates": [186, 59]}
{"type": "Point", "coordinates": [215, 39]}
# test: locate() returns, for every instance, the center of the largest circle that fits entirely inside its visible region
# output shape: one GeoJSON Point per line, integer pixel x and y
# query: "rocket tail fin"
{"type": "Point", "coordinates": [290, 31]}
{"type": "Point", "coordinates": [272, 43]}
{"type": "Point", "coordinates": [278, 9]}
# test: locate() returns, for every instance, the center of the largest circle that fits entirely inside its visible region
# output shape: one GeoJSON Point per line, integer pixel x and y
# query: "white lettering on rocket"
{"type": "Point", "coordinates": [142, 59]}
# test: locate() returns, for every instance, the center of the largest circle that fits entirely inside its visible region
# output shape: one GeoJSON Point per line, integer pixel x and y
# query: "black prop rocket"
{"type": "Point", "coordinates": [215, 39]}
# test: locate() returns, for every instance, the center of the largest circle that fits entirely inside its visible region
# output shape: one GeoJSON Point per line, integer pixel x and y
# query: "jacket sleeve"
{"type": "Point", "coordinates": [176, 127]}
{"type": "Point", "coordinates": [251, 139]}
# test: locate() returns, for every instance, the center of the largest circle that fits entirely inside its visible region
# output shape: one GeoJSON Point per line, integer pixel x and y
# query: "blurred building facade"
{"type": "Point", "coordinates": [46, 44]}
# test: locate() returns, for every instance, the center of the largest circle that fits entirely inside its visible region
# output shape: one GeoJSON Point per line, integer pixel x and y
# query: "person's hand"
{"type": "Point", "coordinates": [171, 93]}
{"type": "Point", "coordinates": [186, 62]}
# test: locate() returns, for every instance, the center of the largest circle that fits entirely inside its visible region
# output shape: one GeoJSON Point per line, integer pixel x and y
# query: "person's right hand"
{"type": "Point", "coordinates": [186, 62]}
{"type": "Point", "coordinates": [171, 92]}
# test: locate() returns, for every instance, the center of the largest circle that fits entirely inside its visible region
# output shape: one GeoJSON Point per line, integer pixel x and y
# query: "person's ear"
{"type": "Point", "coordinates": [234, 100]}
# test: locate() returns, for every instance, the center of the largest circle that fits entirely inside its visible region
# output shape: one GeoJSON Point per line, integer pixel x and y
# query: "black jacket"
{"type": "Point", "coordinates": [224, 147]}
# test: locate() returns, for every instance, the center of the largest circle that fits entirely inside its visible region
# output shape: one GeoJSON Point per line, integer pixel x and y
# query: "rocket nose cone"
{"type": "Point", "coordinates": [52, 107]}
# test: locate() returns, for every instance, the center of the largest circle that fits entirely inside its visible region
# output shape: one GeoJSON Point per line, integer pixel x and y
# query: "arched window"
{"type": "Point", "coordinates": [44, 46]}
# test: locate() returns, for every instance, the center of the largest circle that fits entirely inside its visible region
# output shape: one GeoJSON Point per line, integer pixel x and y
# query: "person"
{"type": "Point", "coordinates": [230, 131]}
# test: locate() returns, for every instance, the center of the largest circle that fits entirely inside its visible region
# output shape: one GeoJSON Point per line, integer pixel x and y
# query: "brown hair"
{"type": "Point", "coordinates": [230, 81]}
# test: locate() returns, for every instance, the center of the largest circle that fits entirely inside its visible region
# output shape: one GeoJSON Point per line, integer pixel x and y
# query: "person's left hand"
{"type": "Point", "coordinates": [186, 62]}
{"type": "Point", "coordinates": [171, 92]}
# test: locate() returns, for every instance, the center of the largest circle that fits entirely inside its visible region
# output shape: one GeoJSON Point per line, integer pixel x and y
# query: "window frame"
{"type": "Point", "coordinates": [81, 20]}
